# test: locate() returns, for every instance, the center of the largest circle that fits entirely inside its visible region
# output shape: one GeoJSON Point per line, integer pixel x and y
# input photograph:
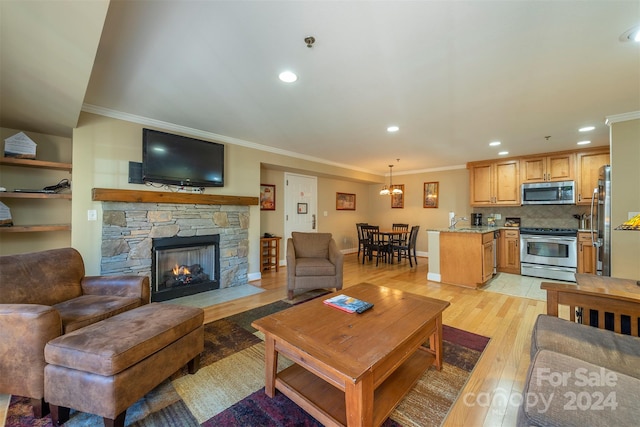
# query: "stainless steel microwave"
{"type": "Point", "coordinates": [549, 193]}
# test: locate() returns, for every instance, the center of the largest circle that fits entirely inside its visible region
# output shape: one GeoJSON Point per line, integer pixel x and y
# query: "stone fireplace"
{"type": "Point", "coordinates": [130, 227]}
{"type": "Point", "coordinates": [183, 266]}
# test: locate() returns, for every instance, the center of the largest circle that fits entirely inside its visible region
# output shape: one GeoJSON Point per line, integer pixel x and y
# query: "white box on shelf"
{"type": "Point", "coordinates": [20, 146]}
{"type": "Point", "coordinates": [5, 215]}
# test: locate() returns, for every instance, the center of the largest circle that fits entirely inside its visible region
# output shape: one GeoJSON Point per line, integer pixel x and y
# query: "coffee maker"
{"type": "Point", "coordinates": [476, 219]}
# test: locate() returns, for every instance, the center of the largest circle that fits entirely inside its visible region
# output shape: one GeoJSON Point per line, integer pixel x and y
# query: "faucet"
{"type": "Point", "coordinates": [455, 220]}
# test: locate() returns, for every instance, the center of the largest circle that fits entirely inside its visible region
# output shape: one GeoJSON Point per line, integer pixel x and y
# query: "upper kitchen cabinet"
{"type": "Point", "coordinates": [589, 163]}
{"type": "Point", "coordinates": [556, 167]}
{"type": "Point", "coordinates": [494, 183]}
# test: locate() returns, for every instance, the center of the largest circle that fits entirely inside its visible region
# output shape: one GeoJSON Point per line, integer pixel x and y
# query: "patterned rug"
{"type": "Point", "coordinates": [228, 390]}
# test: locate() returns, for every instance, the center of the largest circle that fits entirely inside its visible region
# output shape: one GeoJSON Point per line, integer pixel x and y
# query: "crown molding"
{"type": "Point", "coordinates": [145, 121]}
{"type": "Point", "coordinates": [617, 118]}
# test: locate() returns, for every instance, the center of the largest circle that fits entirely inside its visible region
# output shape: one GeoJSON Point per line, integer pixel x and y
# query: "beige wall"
{"type": "Point", "coordinates": [625, 196]}
{"type": "Point", "coordinates": [373, 208]}
{"type": "Point", "coordinates": [103, 147]}
{"type": "Point", "coordinates": [453, 196]}
{"type": "Point", "coordinates": [36, 211]}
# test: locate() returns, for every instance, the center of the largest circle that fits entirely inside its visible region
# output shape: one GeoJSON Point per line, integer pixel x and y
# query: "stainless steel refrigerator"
{"type": "Point", "coordinates": [601, 227]}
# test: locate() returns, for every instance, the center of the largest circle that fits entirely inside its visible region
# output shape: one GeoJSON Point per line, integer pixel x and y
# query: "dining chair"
{"type": "Point", "coordinates": [375, 244]}
{"type": "Point", "coordinates": [399, 239]}
{"type": "Point", "coordinates": [408, 250]}
{"type": "Point", "coordinates": [361, 239]}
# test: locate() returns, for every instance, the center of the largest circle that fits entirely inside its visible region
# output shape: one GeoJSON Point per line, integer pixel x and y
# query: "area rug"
{"type": "Point", "coordinates": [228, 390]}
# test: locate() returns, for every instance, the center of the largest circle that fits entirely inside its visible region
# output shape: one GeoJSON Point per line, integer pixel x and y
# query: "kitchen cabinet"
{"type": "Point", "coordinates": [18, 200]}
{"type": "Point", "coordinates": [494, 183]}
{"type": "Point", "coordinates": [466, 258]}
{"type": "Point", "coordinates": [270, 253]}
{"type": "Point", "coordinates": [589, 163]}
{"type": "Point", "coordinates": [509, 251]}
{"type": "Point", "coordinates": [553, 167]}
{"type": "Point", "coordinates": [586, 254]}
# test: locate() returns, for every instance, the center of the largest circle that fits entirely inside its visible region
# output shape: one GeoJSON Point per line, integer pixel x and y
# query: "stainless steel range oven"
{"type": "Point", "coordinates": [550, 253]}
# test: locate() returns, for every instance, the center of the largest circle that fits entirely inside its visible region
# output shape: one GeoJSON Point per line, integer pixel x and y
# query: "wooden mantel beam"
{"type": "Point", "coordinates": [136, 196]}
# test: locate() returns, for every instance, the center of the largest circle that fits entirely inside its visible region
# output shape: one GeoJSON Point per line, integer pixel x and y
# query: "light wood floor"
{"type": "Point", "coordinates": [508, 320]}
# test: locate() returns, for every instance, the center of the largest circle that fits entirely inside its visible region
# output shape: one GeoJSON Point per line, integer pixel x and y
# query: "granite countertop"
{"type": "Point", "coordinates": [473, 229]}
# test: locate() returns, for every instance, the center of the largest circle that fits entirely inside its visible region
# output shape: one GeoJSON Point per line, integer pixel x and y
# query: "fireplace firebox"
{"type": "Point", "coordinates": [183, 266]}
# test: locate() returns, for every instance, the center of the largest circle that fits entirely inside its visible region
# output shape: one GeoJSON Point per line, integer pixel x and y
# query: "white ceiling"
{"type": "Point", "coordinates": [454, 75]}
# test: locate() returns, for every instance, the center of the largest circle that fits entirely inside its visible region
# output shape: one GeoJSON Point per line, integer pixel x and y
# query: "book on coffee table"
{"type": "Point", "coordinates": [348, 304]}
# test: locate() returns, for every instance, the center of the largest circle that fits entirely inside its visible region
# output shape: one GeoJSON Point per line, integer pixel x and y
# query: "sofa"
{"type": "Point", "coordinates": [44, 295]}
{"type": "Point", "coordinates": [313, 262]}
{"type": "Point", "coordinates": [584, 374]}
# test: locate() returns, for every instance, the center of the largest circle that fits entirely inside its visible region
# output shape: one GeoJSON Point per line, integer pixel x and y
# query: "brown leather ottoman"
{"type": "Point", "coordinates": [104, 368]}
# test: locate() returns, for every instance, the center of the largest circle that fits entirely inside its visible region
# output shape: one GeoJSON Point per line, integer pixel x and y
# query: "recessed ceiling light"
{"type": "Point", "coordinates": [586, 129]}
{"type": "Point", "coordinates": [393, 129]}
{"type": "Point", "coordinates": [503, 153]}
{"type": "Point", "coordinates": [584, 142]}
{"type": "Point", "coordinates": [288, 76]}
{"type": "Point", "coordinates": [632, 34]}
{"type": "Point", "coordinates": [495, 143]}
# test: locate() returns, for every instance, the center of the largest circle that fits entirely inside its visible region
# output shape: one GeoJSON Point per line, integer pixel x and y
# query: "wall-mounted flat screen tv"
{"type": "Point", "coordinates": [179, 160]}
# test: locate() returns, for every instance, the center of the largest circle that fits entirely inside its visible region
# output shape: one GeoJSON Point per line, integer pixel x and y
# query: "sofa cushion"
{"type": "Point", "coordinates": [115, 344]}
{"type": "Point", "coordinates": [46, 277]}
{"type": "Point", "coordinates": [600, 347]}
{"type": "Point", "coordinates": [311, 245]}
{"type": "Point", "coordinates": [314, 267]}
{"type": "Point", "coordinates": [561, 390]}
{"type": "Point", "coordinates": [85, 310]}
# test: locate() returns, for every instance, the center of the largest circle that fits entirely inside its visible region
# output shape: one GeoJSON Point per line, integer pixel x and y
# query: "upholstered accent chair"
{"type": "Point", "coordinates": [313, 262]}
{"type": "Point", "coordinates": [44, 295]}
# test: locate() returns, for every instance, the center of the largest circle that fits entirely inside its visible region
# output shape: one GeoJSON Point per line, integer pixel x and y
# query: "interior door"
{"type": "Point", "coordinates": [300, 200]}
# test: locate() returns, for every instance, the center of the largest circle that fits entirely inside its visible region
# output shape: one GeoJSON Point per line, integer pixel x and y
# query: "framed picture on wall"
{"type": "Point", "coordinates": [397, 200]}
{"type": "Point", "coordinates": [430, 197]}
{"type": "Point", "coordinates": [267, 197]}
{"type": "Point", "coordinates": [345, 202]}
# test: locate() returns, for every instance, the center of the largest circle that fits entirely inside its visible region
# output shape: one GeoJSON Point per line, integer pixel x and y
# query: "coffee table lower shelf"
{"type": "Point", "coordinates": [327, 404]}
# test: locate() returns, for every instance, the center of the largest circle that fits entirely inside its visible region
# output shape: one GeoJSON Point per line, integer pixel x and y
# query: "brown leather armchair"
{"type": "Point", "coordinates": [44, 295]}
{"type": "Point", "coordinates": [313, 262]}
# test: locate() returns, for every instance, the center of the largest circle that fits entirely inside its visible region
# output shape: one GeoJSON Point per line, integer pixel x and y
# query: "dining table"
{"type": "Point", "coordinates": [388, 237]}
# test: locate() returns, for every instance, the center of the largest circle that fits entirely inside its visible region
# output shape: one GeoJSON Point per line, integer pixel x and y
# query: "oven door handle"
{"type": "Point", "coordinates": [555, 239]}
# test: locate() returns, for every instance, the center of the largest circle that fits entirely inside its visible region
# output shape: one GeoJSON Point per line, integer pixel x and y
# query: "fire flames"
{"type": "Point", "coordinates": [181, 275]}
{"type": "Point", "coordinates": [181, 270]}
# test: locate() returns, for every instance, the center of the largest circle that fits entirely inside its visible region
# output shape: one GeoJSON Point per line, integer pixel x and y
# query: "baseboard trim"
{"type": "Point", "coordinates": [434, 277]}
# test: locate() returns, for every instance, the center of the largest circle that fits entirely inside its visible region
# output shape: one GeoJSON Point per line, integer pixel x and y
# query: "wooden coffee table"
{"type": "Point", "coordinates": [353, 369]}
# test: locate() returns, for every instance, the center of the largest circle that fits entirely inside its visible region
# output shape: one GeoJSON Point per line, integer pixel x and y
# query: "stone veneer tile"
{"type": "Point", "coordinates": [128, 230]}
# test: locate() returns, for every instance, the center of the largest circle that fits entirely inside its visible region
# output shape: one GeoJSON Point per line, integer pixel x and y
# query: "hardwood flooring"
{"type": "Point", "coordinates": [508, 320]}
{"type": "Point", "coordinates": [492, 393]}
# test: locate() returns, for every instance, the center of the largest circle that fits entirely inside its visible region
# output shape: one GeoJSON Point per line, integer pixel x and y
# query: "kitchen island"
{"type": "Point", "coordinates": [463, 256]}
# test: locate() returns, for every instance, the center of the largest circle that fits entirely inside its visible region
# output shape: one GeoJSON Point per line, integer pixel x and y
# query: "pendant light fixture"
{"type": "Point", "coordinates": [390, 190]}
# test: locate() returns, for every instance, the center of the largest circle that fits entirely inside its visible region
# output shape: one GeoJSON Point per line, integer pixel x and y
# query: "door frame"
{"type": "Point", "coordinates": [290, 198]}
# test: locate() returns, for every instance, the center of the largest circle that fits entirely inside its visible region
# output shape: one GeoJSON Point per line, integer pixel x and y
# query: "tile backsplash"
{"type": "Point", "coordinates": [551, 216]}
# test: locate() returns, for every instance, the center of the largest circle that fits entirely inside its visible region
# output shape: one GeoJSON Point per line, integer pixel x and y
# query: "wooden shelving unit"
{"type": "Point", "coordinates": [38, 164]}
{"type": "Point", "coordinates": [28, 163]}
{"type": "Point", "coordinates": [12, 195]}
{"type": "Point", "coordinates": [33, 228]}
{"type": "Point", "coordinates": [269, 253]}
